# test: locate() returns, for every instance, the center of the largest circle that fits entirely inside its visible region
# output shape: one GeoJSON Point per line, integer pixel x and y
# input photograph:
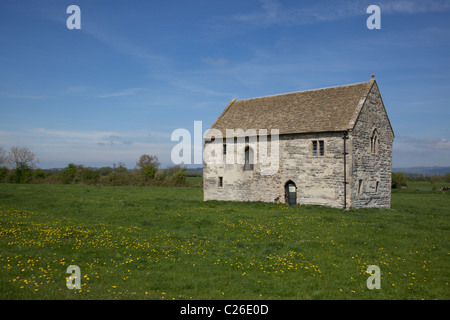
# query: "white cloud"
{"type": "Point", "coordinates": [150, 60]}
{"type": "Point", "coordinates": [74, 90]}
{"type": "Point", "coordinates": [411, 151]}
{"type": "Point", "coordinates": [215, 61]}
{"type": "Point", "coordinates": [57, 148]}
{"type": "Point", "coordinates": [272, 12]}
{"type": "Point", "coordinates": [413, 6]}
{"type": "Point", "coordinates": [121, 93]}
{"type": "Point", "coordinates": [421, 144]}
{"type": "Point", "coordinates": [21, 96]}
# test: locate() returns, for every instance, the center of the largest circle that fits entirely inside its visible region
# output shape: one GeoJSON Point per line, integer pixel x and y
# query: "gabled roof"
{"type": "Point", "coordinates": [320, 110]}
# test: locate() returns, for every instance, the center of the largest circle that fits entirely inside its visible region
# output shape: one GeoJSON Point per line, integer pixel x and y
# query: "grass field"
{"type": "Point", "coordinates": [166, 243]}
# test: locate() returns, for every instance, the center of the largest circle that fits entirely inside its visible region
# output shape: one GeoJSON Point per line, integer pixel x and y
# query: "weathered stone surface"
{"type": "Point", "coordinates": [319, 179]}
{"type": "Point", "coordinates": [367, 166]}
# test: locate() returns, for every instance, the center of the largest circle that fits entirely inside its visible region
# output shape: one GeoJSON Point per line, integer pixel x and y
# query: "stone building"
{"type": "Point", "coordinates": [330, 146]}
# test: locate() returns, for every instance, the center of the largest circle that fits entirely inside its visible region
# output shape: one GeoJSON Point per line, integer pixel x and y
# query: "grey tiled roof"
{"type": "Point", "coordinates": [320, 110]}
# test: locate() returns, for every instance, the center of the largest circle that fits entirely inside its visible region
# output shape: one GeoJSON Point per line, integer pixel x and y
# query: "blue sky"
{"type": "Point", "coordinates": [137, 70]}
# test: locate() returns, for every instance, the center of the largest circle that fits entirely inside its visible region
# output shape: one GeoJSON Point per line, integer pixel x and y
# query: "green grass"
{"type": "Point", "coordinates": [166, 243]}
{"type": "Point", "coordinates": [194, 180]}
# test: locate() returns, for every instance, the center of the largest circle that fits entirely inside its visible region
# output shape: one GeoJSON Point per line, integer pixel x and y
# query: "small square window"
{"type": "Point", "coordinates": [318, 148]}
{"type": "Point", "coordinates": [220, 182]}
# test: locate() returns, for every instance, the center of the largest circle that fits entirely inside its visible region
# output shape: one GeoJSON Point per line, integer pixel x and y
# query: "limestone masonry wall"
{"type": "Point", "coordinates": [370, 168]}
{"type": "Point", "coordinates": [319, 178]}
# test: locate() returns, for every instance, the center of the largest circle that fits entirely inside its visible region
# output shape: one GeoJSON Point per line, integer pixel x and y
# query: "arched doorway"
{"type": "Point", "coordinates": [290, 190]}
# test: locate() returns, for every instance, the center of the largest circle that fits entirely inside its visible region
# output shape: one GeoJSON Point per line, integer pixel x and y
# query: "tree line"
{"type": "Point", "coordinates": [19, 165]}
{"type": "Point", "coordinates": [400, 180]}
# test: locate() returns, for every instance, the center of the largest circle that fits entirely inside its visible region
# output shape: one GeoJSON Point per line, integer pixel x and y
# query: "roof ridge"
{"type": "Point", "coordinates": [224, 111]}
{"type": "Point", "coordinates": [309, 90]}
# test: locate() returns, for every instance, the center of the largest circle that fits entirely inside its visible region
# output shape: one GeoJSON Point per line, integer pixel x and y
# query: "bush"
{"type": "Point", "coordinates": [39, 174]}
{"type": "Point", "coordinates": [20, 175]}
{"type": "Point", "coordinates": [447, 177]}
{"type": "Point", "coordinates": [67, 175]}
{"type": "Point", "coordinates": [149, 172]}
{"type": "Point", "coordinates": [160, 175]}
{"type": "Point", "coordinates": [120, 168]}
{"type": "Point", "coordinates": [89, 176]}
{"type": "Point", "coordinates": [399, 180]}
{"type": "Point", "coordinates": [179, 178]}
{"type": "Point", "coordinates": [50, 179]}
{"type": "Point", "coordinates": [3, 173]}
{"type": "Point", "coordinates": [104, 171]}
{"type": "Point", "coordinates": [146, 174]}
{"type": "Point", "coordinates": [435, 179]}
{"type": "Point", "coordinates": [117, 179]}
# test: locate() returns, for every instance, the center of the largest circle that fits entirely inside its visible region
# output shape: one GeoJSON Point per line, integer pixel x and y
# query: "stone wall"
{"type": "Point", "coordinates": [319, 179]}
{"type": "Point", "coordinates": [368, 167]}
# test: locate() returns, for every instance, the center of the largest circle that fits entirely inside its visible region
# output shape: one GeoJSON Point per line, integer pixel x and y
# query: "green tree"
{"type": "Point", "coordinates": [435, 179]}
{"type": "Point", "coordinates": [160, 175]}
{"type": "Point", "coordinates": [39, 174]}
{"type": "Point", "coordinates": [67, 175]}
{"type": "Point", "coordinates": [399, 180]}
{"type": "Point", "coordinates": [3, 169]}
{"type": "Point", "coordinates": [149, 172]}
{"type": "Point", "coordinates": [148, 165]}
{"type": "Point", "coordinates": [89, 176]}
{"type": "Point", "coordinates": [179, 178]}
{"type": "Point", "coordinates": [3, 173]}
{"type": "Point", "coordinates": [147, 160]}
{"type": "Point", "coordinates": [104, 171]}
{"type": "Point", "coordinates": [120, 168]}
{"type": "Point", "coordinates": [447, 177]}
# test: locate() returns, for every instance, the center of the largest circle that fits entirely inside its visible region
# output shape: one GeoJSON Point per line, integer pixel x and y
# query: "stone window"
{"type": "Point", "coordinates": [224, 149]}
{"type": "Point", "coordinates": [318, 148]}
{"type": "Point", "coordinates": [374, 142]}
{"type": "Point", "coordinates": [220, 182]}
{"type": "Point", "coordinates": [377, 187]}
{"type": "Point", "coordinates": [248, 166]}
{"type": "Point", "coordinates": [360, 186]}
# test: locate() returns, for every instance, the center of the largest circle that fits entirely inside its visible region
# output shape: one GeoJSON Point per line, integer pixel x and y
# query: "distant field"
{"type": "Point", "coordinates": [166, 243]}
{"type": "Point", "coordinates": [194, 180]}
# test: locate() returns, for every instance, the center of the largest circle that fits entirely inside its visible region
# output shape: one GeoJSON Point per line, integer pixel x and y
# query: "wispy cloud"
{"type": "Point", "coordinates": [414, 6]}
{"type": "Point", "coordinates": [95, 137]}
{"type": "Point", "coordinates": [150, 60]}
{"type": "Point", "coordinates": [21, 96]}
{"type": "Point", "coordinates": [406, 143]}
{"type": "Point", "coordinates": [74, 90]}
{"type": "Point", "coordinates": [121, 93]}
{"type": "Point", "coordinates": [273, 12]}
{"type": "Point", "coordinates": [411, 151]}
{"type": "Point", "coordinates": [56, 148]}
{"type": "Point", "coordinates": [114, 140]}
{"type": "Point", "coordinates": [215, 61]}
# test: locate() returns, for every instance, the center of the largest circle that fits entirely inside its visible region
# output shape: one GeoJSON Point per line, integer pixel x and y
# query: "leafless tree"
{"type": "Point", "coordinates": [21, 158]}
